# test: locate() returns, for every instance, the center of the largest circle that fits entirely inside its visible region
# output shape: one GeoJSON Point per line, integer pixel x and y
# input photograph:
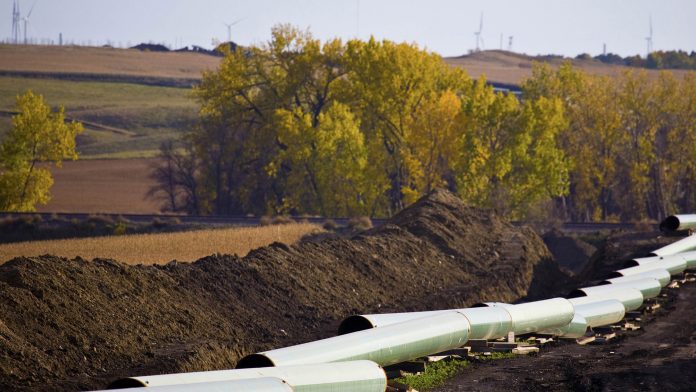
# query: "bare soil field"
{"type": "Point", "coordinates": [162, 248]}
{"type": "Point", "coordinates": [498, 66]}
{"type": "Point", "coordinates": [513, 68]}
{"type": "Point", "coordinates": [93, 60]}
{"type": "Point", "coordinates": [79, 324]}
{"type": "Point", "coordinates": [108, 186]}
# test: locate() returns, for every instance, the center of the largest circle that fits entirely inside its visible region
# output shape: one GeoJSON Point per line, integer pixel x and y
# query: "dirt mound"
{"type": "Point", "coordinates": [76, 324]}
{"type": "Point", "coordinates": [571, 253]}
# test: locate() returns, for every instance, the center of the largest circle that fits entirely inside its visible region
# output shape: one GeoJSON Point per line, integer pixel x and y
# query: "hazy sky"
{"type": "Point", "coordinates": [444, 26]}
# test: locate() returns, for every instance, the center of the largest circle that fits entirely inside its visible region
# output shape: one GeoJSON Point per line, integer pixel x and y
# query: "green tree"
{"type": "Point", "coordinates": [37, 135]}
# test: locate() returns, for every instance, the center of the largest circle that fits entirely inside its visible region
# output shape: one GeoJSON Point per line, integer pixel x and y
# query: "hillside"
{"type": "Point", "coordinates": [512, 68]}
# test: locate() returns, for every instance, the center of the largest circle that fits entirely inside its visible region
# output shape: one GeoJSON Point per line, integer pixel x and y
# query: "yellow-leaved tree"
{"type": "Point", "coordinates": [38, 135]}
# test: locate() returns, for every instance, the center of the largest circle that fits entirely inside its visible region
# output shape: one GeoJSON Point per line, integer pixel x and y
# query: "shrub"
{"type": "Point", "coordinates": [330, 224]}
{"type": "Point", "coordinates": [360, 223]}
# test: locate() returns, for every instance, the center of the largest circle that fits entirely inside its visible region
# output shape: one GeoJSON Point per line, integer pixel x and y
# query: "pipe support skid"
{"type": "Point", "coordinates": [683, 245]}
{"type": "Point", "coordinates": [386, 345]}
{"type": "Point", "coordinates": [649, 287]}
{"type": "Point", "coordinates": [486, 323]}
{"type": "Point", "coordinates": [630, 298]}
{"type": "Point", "coordinates": [538, 315]}
{"type": "Point", "coordinates": [601, 313]}
{"type": "Point", "coordinates": [357, 376]}
{"type": "Point", "coordinates": [678, 222]}
{"type": "Point", "coordinates": [573, 330]}
{"type": "Point", "coordinates": [660, 274]}
{"type": "Point", "coordinates": [262, 384]}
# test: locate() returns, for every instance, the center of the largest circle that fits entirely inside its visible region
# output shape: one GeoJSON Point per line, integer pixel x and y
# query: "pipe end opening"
{"type": "Point", "coordinates": [671, 223]}
{"type": "Point", "coordinates": [613, 275]}
{"type": "Point", "coordinates": [630, 263]}
{"type": "Point", "coordinates": [577, 293]}
{"type": "Point", "coordinates": [126, 383]}
{"type": "Point", "coordinates": [354, 324]}
{"type": "Point", "coordinates": [480, 305]}
{"type": "Point", "coordinates": [254, 361]}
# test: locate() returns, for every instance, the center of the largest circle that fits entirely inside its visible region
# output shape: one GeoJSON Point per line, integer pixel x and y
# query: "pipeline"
{"type": "Point", "coordinates": [649, 287]}
{"type": "Point", "coordinates": [486, 323]}
{"type": "Point", "coordinates": [630, 298]}
{"type": "Point", "coordinates": [674, 264]}
{"type": "Point", "coordinates": [352, 376]}
{"type": "Point", "coordinates": [660, 274]}
{"type": "Point", "coordinates": [538, 315]}
{"type": "Point", "coordinates": [386, 346]}
{"type": "Point", "coordinates": [683, 245]}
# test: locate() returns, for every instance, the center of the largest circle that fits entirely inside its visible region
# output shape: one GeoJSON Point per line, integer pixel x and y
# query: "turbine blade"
{"type": "Point", "coordinates": [32, 9]}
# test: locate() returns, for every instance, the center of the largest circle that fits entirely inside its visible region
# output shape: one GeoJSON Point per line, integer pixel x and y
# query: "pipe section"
{"type": "Point", "coordinates": [674, 266]}
{"type": "Point", "coordinates": [648, 287]}
{"type": "Point", "coordinates": [386, 345]}
{"type": "Point", "coordinates": [678, 222]}
{"type": "Point", "coordinates": [486, 323]}
{"type": "Point", "coordinates": [683, 245]}
{"type": "Point", "coordinates": [538, 315]}
{"type": "Point", "coordinates": [262, 384]}
{"type": "Point", "coordinates": [662, 275]}
{"type": "Point", "coordinates": [575, 329]}
{"type": "Point", "coordinates": [600, 313]}
{"type": "Point", "coordinates": [358, 376]}
{"type": "Point", "coordinates": [631, 298]}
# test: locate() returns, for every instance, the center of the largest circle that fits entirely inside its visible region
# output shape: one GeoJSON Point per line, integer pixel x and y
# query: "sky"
{"type": "Point", "coordinates": [447, 27]}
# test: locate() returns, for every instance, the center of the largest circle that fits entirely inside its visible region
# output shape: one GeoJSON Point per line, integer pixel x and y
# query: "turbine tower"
{"type": "Point", "coordinates": [15, 22]}
{"type": "Point", "coordinates": [479, 38]}
{"type": "Point", "coordinates": [649, 39]}
{"type": "Point", "coordinates": [229, 29]}
{"type": "Point", "coordinates": [26, 22]}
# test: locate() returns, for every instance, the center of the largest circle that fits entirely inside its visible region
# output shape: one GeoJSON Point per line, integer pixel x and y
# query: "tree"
{"type": "Point", "coordinates": [37, 135]}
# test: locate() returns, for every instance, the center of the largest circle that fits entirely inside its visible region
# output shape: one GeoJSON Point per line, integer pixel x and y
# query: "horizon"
{"type": "Point", "coordinates": [445, 27]}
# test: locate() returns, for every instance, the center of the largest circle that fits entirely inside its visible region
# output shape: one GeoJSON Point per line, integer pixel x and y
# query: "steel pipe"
{"type": "Point", "coordinates": [359, 376]}
{"type": "Point", "coordinates": [675, 263]}
{"type": "Point", "coordinates": [674, 266]}
{"type": "Point", "coordinates": [688, 257]}
{"type": "Point", "coordinates": [600, 313]}
{"type": "Point", "coordinates": [486, 323]}
{"type": "Point", "coordinates": [386, 345]}
{"type": "Point", "coordinates": [262, 384]}
{"type": "Point", "coordinates": [678, 222]}
{"type": "Point", "coordinates": [662, 275]}
{"type": "Point", "coordinates": [683, 245]}
{"type": "Point", "coordinates": [538, 315]}
{"type": "Point", "coordinates": [631, 298]}
{"type": "Point", "coordinates": [573, 330]}
{"type": "Point", "coordinates": [649, 287]}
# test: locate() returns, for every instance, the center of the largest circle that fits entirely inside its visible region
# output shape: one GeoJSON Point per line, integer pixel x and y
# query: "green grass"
{"type": "Point", "coordinates": [435, 375]}
{"type": "Point", "coordinates": [150, 114]}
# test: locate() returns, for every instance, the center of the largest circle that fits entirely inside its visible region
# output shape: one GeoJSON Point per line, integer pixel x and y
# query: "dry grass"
{"type": "Point", "coordinates": [162, 248]}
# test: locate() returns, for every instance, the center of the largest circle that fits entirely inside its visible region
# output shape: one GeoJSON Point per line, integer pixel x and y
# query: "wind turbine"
{"type": "Point", "coordinates": [229, 28]}
{"type": "Point", "coordinates": [479, 38]}
{"type": "Point", "coordinates": [26, 21]}
{"type": "Point", "coordinates": [15, 22]}
{"type": "Point", "coordinates": [649, 39]}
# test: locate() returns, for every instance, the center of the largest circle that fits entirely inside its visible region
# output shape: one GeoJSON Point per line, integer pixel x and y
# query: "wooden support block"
{"type": "Point", "coordinates": [586, 339]}
{"type": "Point", "coordinates": [504, 345]}
{"type": "Point", "coordinates": [477, 343]}
{"type": "Point", "coordinates": [525, 350]}
{"type": "Point", "coordinates": [461, 352]}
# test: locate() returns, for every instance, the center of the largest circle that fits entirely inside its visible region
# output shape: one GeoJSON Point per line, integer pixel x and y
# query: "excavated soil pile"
{"type": "Point", "coordinates": [77, 324]}
{"type": "Point", "coordinates": [571, 253]}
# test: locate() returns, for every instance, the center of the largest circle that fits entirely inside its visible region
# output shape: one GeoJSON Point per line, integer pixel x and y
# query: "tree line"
{"type": "Point", "coordinates": [366, 127]}
{"type": "Point", "coordinates": [659, 59]}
